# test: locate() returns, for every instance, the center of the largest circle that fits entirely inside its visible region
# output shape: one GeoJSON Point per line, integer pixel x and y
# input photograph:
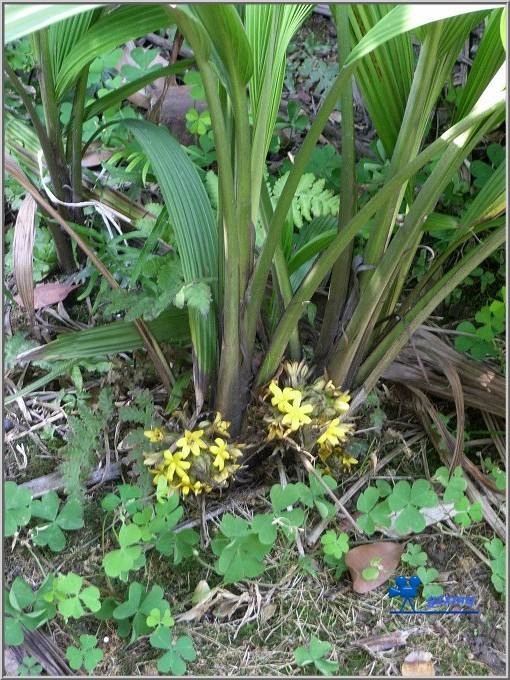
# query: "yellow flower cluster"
{"type": "Point", "coordinates": [196, 461]}
{"type": "Point", "coordinates": [295, 414]}
{"type": "Point", "coordinates": [315, 410]}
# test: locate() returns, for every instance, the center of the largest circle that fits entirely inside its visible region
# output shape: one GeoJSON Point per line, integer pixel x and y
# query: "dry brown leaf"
{"type": "Point", "coordinates": [95, 157]}
{"type": "Point", "coordinates": [222, 602]}
{"type": "Point", "coordinates": [381, 643]}
{"type": "Point", "coordinates": [360, 558]}
{"type": "Point", "coordinates": [421, 364]}
{"type": "Point", "coordinates": [418, 664]}
{"type": "Point", "coordinates": [22, 248]}
{"type": "Point", "coordinates": [46, 294]}
{"type": "Point", "coordinates": [267, 612]}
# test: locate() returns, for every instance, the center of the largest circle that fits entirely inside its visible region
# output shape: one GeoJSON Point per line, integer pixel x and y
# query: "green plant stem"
{"type": "Point", "coordinates": [55, 161]}
{"type": "Point", "coordinates": [340, 275]}
{"type": "Point", "coordinates": [408, 143]}
{"type": "Point", "coordinates": [280, 270]}
{"type": "Point", "coordinates": [330, 255]}
{"type": "Point", "coordinates": [263, 265]}
{"type": "Point", "coordinates": [348, 353]}
{"type": "Point", "coordinates": [245, 229]}
{"type": "Point", "coordinates": [76, 134]}
{"type": "Point", "coordinates": [405, 263]}
{"type": "Point", "coordinates": [229, 370]}
{"type": "Point", "coordinates": [388, 349]}
{"type": "Point", "coordinates": [62, 245]}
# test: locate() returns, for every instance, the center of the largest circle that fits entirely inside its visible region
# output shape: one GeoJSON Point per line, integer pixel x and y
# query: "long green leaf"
{"type": "Point", "coordinates": [404, 18]}
{"type": "Point", "coordinates": [227, 35]}
{"type": "Point", "coordinates": [22, 19]}
{"type": "Point", "coordinates": [119, 336]}
{"type": "Point", "coordinates": [384, 76]}
{"type": "Point", "coordinates": [64, 35]}
{"type": "Point", "coordinates": [195, 231]}
{"type": "Point", "coordinates": [489, 57]}
{"type": "Point", "coordinates": [112, 29]}
{"type": "Point", "coordinates": [269, 28]}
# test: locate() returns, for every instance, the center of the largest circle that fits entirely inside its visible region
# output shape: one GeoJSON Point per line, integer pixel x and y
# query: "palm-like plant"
{"type": "Point", "coordinates": [242, 62]}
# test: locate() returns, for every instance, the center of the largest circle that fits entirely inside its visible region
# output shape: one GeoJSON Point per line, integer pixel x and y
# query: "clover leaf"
{"type": "Point", "coordinates": [415, 556]}
{"type": "Point", "coordinates": [86, 656]}
{"type": "Point", "coordinates": [427, 577]}
{"type": "Point", "coordinates": [239, 550]}
{"type": "Point", "coordinates": [18, 507]}
{"type": "Point", "coordinates": [284, 496]}
{"type": "Point", "coordinates": [455, 485]}
{"type": "Point", "coordinates": [127, 496]}
{"type": "Point", "coordinates": [181, 544]}
{"type": "Point", "coordinates": [375, 514]}
{"type": "Point", "coordinates": [69, 518]}
{"type": "Point", "coordinates": [29, 667]}
{"type": "Point", "coordinates": [407, 501]}
{"type": "Point", "coordinates": [314, 654]}
{"type": "Point", "coordinates": [371, 573]}
{"type": "Point", "coordinates": [179, 651]}
{"type": "Point", "coordinates": [141, 604]}
{"type": "Point", "coordinates": [156, 618]}
{"type": "Point", "coordinates": [19, 599]}
{"type": "Point", "coordinates": [66, 590]}
{"type": "Point", "coordinates": [467, 513]}
{"type": "Point", "coordinates": [497, 552]}
{"type": "Point", "coordinates": [314, 495]}
{"type": "Point", "coordinates": [335, 545]}
{"type": "Point", "coordinates": [119, 563]}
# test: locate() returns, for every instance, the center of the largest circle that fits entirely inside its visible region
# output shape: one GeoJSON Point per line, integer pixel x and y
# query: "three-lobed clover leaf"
{"type": "Point", "coordinates": [18, 507]}
{"type": "Point", "coordinates": [314, 495]}
{"type": "Point", "coordinates": [133, 613]}
{"type": "Point", "coordinates": [314, 654]}
{"type": "Point", "coordinates": [16, 617]}
{"type": "Point", "coordinates": [497, 552]}
{"type": "Point", "coordinates": [127, 496]}
{"type": "Point", "coordinates": [51, 533]}
{"type": "Point", "coordinates": [455, 485]}
{"type": "Point", "coordinates": [178, 651]}
{"type": "Point", "coordinates": [371, 573]}
{"type": "Point", "coordinates": [427, 577]}
{"type": "Point", "coordinates": [86, 656]}
{"type": "Point", "coordinates": [29, 667]}
{"type": "Point", "coordinates": [407, 501]}
{"type": "Point", "coordinates": [119, 563]}
{"type": "Point", "coordinates": [334, 544]}
{"type": "Point", "coordinates": [375, 513]}
{"type": "Point", "coordinates": [239, 550]}
{"type": "Point", "coordinates": [415, 556]}
{"type": "Point", "coordinates": [71, 598]}
{"type": "Point", "coordinates": [156, 618]}
{"type": "Point", "coordinates": [467, 513]}
{"type": "Point", "coordinates": [284, 496]}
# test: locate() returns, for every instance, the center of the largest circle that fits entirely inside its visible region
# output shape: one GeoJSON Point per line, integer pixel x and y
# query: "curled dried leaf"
{"type": "Point", "coordinates": [22, 248]}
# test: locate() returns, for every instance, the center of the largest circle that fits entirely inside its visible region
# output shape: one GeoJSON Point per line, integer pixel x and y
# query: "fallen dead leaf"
{"type": "Point", "coordinates": [95, 157]}
{"type": "Point", "coordinates": [46, 294]}
{"type": "Point", "coordinates": [267, 612]}
{"type": "Point", "coordinates": [381, 643]}
{"type": "Point", "coordinates": [418, 664]}
{"type": "Point", "coordinates": [222, 602]}
{"type": "Point", "coordinates": [359, 559]}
